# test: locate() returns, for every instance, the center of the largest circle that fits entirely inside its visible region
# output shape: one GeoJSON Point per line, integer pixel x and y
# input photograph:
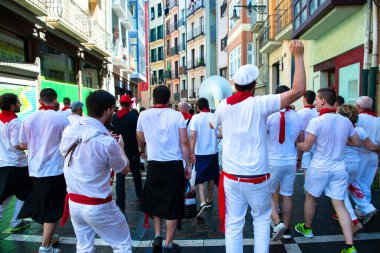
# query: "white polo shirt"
{"type": "Point", "coordinates": [371, 126]}
{"type": "Point", "coordinates": [89, 173]}
{"type": "Point", "coordinates": [206, 138]}
{"type": "Point", "coordinates": [10, 156]}
{"type": "Point", "coordinates": [307, 114]}
{"type": "Point", "coordinates": [161, 130]}
{"type": "Point", "coordinates": [332, 131]}
{"type": "Point", "coordinates": [244, 125]}
{"type": "Point", "coordinates": [74, 118]}
{"type": "Point", "coordinates": [286, 153]}
{"type": "Point", "coordinates": [353, 153]}
{"type": "Point", "coordinates": [42, 131]}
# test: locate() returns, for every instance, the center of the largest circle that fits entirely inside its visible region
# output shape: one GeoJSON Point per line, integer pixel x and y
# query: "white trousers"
{"type": "Point", "coordinates": [366, 174]}
{"type": "Point", "coordinates": [106, 220]}
{"type": "Point", "coordinates": [238, 196]}
{"type": "Point", "coordinates": [16, 211]}
{"type": "Point", "coordinates": [352, 169]}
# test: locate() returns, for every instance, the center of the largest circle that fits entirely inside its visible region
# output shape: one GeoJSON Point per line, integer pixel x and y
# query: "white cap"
{"type": "Point", "coordinates": [246, 74]}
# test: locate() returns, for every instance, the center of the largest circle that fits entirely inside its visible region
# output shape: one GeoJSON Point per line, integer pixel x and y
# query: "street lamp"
{"type": "Point", "coordinates": [261, 9]}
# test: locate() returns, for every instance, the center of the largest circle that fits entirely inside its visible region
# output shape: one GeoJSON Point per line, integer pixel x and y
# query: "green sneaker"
{"type": "Point", "coordinates": [351, 249]}
{"type": "Point", "coordinates": [21, 226]}
{"type": "Point", "coordinates": [300, 228]}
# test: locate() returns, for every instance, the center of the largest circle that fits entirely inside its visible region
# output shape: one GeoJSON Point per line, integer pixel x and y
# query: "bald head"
{"type": "Point", "coordinates": [364, 103]}
{"type": "Point", "coordinates": [183, 106]}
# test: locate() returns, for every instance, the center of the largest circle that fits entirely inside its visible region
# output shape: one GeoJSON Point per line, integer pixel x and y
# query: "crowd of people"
{"type": "Point", "coordinates": [72, 160]}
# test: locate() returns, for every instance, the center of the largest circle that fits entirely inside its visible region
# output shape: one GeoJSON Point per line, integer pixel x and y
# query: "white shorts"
{"type": "Point", "coordinates": [306, 159]}
{"type": "Point", "coordinates": [285, 176]}
{"type": "Point", "coordinates": [334, 184]}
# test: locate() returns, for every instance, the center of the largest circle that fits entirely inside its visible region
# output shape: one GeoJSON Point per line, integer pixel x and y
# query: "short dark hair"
{"type": "Point", "coordinates": [310, 96]}
{"type": "Point", "coordinates": [66, 101]}
{"type": "Point", "coordinates": [7, 100]}
{"type": "Point", "coordinates": [247, 87]}
{"type": "Point", "coordinates": [126, 104]}
{"type": "Point", "coordinates": [282, 89]}
{"type": "Point", "coordinates": [203, 104]}
{"type": "Point", "coordinates": [98, 102]}
{"type": "Point", "coordinates": [339, 100]}
{"type": "Point", "coordinates": [191, 111]}
{"type": "Point", "coordinates": [142, 108]}
{"type": "Point", "coordinates": [161, 95]}
{"type": "Point", "coordinates": [135, 111]}
{"type": "Point", "coordinates": [48, 95]}
{"type": "Point", "coordinates": [327, 94]}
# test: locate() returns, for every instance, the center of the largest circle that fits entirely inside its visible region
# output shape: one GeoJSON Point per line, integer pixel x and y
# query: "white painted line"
{"type": "Point", "coordinates": [292, 248]}
{"type": "Point", "coordinates": [337, 238]}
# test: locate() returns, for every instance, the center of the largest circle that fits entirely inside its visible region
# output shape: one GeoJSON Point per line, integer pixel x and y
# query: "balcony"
{"type": "Point", "coordinates": [283, 20]}
{"type": "Point", "coordinates": [24, 69]}
{"type": "Point", "coordinates": [181, 22]}
{"type": "Point", "coordinates": [197, 32]}
{"type": "Point", "coordinates": [196, 63]}
{"type": "Point", "coordinates": [172, 4]}
{"type": "Point", "coordinates": [182, 70]}
{"type": "Point", "coordinates": [119, 7]}
{"type": "Point", "coordinates": [315, 19]}
{"type": "Point", "coordinates": [38, 7]}
{"type": "Point", "coordinates": [67, 16]}
{"type": "Point", "coordinates": [167, 53]}
{"type": "Point", "coordinates": [182, 47]}
{"type": "Point", "coordinates": [127, 21]}
{"type": "Point", "coordinates": [184, 94]}
{"type": "Point", "coordinates": [194, 6]}
{"type": "Point", "coordinates": [100, 40]}
{"type": "Point", "coordinates": [174, 50]}
{"type": "Point", "coordinates": [176, 97]}
{"type": "Point", "coordinates": [267, 44]}
{"type": "Point", "coordinates": [168, 74]}
{"type": "Point", "coordinates": [257, 20]}
{"type": "Point", "coordinates": [193, 94]}
{"type": "Point", "coordinates": [175, 74]}
{"type": "Point", "coordinates": [120, 58]}
{"type": "Point", "coordinates": [167, 31]}
{"type": "Point", "coordinates": [174, 27]}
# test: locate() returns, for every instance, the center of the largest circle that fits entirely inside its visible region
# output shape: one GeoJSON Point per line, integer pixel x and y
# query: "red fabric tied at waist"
{"type": "Point", "coordinates": [81, 199]}
{"type": "Point", "coordinates": [222, 197]}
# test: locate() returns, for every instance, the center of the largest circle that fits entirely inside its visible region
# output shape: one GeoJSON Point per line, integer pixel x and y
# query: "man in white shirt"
{"type": "Point", "coordinates": [66, 106]}
{"type": "Point", "coordinates": [90, 152]}
{"type": "Point", "coordinates": [163, 132]}
{"type": "Point", "coordinates": [14, 175]}
{"type": "Point", "coordinates": [245, 154]}
{"type": "Point", "coordinates": [41, 134]}
{"type": "Point", "coordinates": [284, 128]}
{"type": "Point", "coordinates": [370, 122]}
{"type": "Point", "coordinates": [76, 112]}
{"type": "Point", "coordinates": [204, 150]}
{"type": "Point", "coordinates": [330, 132]}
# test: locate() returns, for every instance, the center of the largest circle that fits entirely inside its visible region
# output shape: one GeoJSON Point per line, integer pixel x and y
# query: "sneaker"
{"type": "Point", "coordinates": [287, 235]}
{"type": "Point", "coordinates": [21, 226]}
{"type": "Point", "coordinates": [300, 228]}
{"type": "Point", "coordinates": [278, 230]}
{"type": "Point", "coordinates": [48, 250]}
{"type": "Point", "coordinates": [54, 239]}
{"type": "Point", "coordinates": [157, 242]}
{"type": "Point", "coordinates": [175, 248]}
{"type": "Point", "coordinates": [210, 204]}
{"type": "Point", "coordinates": [202, 208]}
{"type": "Point", "coordinates": [369, 216]}
{"type": "Point", "coordinates": [351, 249]}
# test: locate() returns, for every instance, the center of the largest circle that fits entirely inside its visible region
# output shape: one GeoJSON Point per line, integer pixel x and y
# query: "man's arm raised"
{"type": "Point", "coordinates": [299, 82]}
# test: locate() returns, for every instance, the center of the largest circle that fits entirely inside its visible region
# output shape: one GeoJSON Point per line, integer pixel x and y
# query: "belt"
{"type": "Point", "coordinates": [254, 180]}
{"type": "Point", "coordinates": [81, 199]}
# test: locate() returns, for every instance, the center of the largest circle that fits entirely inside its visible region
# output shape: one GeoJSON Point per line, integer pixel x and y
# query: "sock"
{"type": "Point", "coordinates": [156, 235]}
{"type": "Point", "coordinates": [278, 223]}
{"type": "Point", "coordinates": [169, 245]}
{"type": "Point", "coordinates": [306, 227]}
{"type": "Point", "coordinates": [45, 248]}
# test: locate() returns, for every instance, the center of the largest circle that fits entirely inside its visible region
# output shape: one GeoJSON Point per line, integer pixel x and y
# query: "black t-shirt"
{"type": "Point", "coordinates": [126, 126]}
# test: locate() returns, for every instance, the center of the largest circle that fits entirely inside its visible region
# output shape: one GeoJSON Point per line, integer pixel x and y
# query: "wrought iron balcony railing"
{"type": "Point", "coordinates": [194, 6]}
{"type": "Point", "coordinates": [100, 40]}
{"type": "Point", "coordinates": [283, 15]}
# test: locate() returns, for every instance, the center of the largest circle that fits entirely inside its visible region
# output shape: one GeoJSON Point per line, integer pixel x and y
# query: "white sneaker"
{"type": "Point", "coordinates": [278, 231]}
{"type": "Point", "coordinates": [48, 250]}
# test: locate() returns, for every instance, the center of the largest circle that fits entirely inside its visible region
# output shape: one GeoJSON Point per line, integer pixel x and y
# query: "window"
{"type": "Point", "coordinates": [159, 10]}
{"type": "Point", "coordinates": [302, 9]}
{"type": "Point", "coordinates": [183, 85]}
{"type": "Point", "coordinates": [202, 51]}
{"type": "Point", "coordinates": [151, 13]}
{"type": "Point", "coordinates": [223, 43]}
{"type": "Point", "coordinates": [161, 76]}
{"type": "Point", "coordinates": [153, 56]}
{"type": "Point", "coordinates": [250, 54]}
{"type": "Point", "coordinates": [160, 32]}
{"type": "Point", "coordinates": [11, 49]}
{"type": "Point", "coordinates": [152, 34]}
{"type": "Point", "coordinates": [223, 9]}
{"type": "Point", "coordinates": [231, 12]}
{"type": "Point", "coordinates": [234, 60]}
{"type": "Point", "coordinates": [160, 53]}
{"type": "Point", "coordinates": [201, 24]}
{"type": "Point", "coordinates": [223, 72]}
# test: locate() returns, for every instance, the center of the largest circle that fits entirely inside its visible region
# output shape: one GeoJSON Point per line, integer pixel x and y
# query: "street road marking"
{"type": "Point", "coordinates": [290, 248]}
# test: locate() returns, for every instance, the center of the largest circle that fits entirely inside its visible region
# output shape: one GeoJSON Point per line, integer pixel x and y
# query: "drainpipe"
{"type": "Point", "coordinates": [374, 67]}
{"type": "Point", "coordinates": [365, 71]}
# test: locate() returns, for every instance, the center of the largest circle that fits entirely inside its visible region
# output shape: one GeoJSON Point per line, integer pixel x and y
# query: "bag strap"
{"type": "Point", "coordinates": [71, 150]}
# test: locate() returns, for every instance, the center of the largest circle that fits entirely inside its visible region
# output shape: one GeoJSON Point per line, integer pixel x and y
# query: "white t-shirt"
{"type": "Point", "coordinates": [332, 131]}
{"type": "Point", "coordinates": [352, 154]}
{"type": "Point", "coordinates": [307, 114]}
{"type": "Point", "coordinates": [10, 156]}
{"type": "Point", "coordinates": [371, 126]}
{"type": "Point", "coordinates": [285, 153]}
{"type": "Point", "coordinates": [206, 138]}
{"type": "Point", "coordinates": [42, 131]}
{"type": "Point", "coordinates": [244, 125]}
{"type": "Point", "coordinates": [73, 118]}
{"type": "Point", "coordinates": [161, 130]}
{"type": "Point", "coordinates": [89, 173]}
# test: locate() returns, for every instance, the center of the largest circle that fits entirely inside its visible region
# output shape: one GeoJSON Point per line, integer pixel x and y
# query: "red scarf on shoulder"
{"type": "Point", "coordinates": [7, 116]}
{"type": "Point", "coordinates": [65, 108]}
{"type": "Point", "coordinates": [46, 107]}
{"type": "Point", "coordinates": [122, 112]}
{"type": "Point", "coordinates": [187, 115]}
{"type": "Point", "coordinates": [368, 112]}
{"type": "Point", "coordinates": [326, 110]}
{"type": "Point", "coordinates": [309, 106]}
{"type": "Point", "coordinates": [239, 97]}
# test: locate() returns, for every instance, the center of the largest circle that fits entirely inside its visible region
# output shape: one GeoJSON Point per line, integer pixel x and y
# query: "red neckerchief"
{"type": "Point", "coordinates": [281, 136]}
{"type": "Point", "coordinates": [326, 110]}
{"type": "Point", "coordinates": [239, 97]}
{"type": "Point", "coordinates": [46, 107]}
{"type": "Point", "coordinates": [369, 113]}
{"type": "Point", "coordinates": [122, 112]}
{"type": "Point", "coordinates": [7, 116]}
{"type": "Point", "coordinates": [65, 108]}
{"type": "Point", "coordinates": [160, 106]}
{"type": "Point", "coordinates": [309, 106]}
{"type": "Point", "coordinates": [204, 110]}
{"type": "Point", "coordinates": [187, 115]}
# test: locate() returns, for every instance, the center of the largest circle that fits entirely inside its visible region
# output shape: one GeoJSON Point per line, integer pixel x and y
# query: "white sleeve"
{"type": "Point", "coordinates": [139, 126]}
{"type": "Point", "coordinates": [15, 132]}
{"type": "Point", "coordinates": [216, 120]}
{"type": "Point", "coordinates": [271, 104]}
{"type": "Point", "coordinates": [22, 135]}
{"type": "Point", "coordinates": [313, 127]}
{"type": "Point", "coordinates": [116, 156]}
{"type": "Point", "coordinates": [193, 124]}
{"type": "Point", "coordinates": [182, 123]}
